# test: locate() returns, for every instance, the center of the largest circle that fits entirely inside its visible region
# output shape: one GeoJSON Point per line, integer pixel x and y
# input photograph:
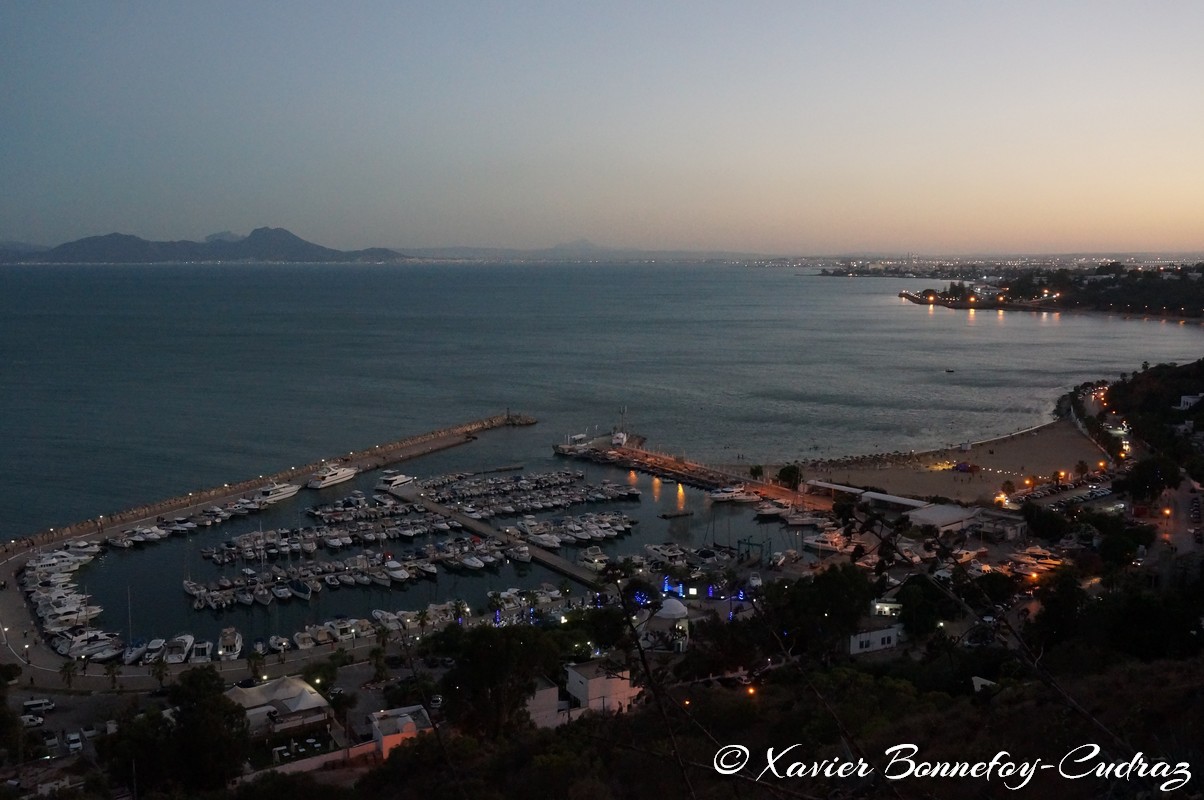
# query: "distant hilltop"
{"type": "Point", "coordinates": [263, 244]}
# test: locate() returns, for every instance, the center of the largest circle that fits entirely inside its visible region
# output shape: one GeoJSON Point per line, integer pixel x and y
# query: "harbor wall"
{"type": "Point", "coordinates": [370, 458]}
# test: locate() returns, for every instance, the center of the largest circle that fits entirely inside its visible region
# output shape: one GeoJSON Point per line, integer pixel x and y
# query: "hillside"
{"type": "Point", "coordinates": [263, 244]}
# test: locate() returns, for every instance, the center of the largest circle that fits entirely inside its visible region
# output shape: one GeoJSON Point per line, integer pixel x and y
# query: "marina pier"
{"type": "Point", "coordinates": [539, 555]}
{"type": "Point", "coordinates": [380, 455]}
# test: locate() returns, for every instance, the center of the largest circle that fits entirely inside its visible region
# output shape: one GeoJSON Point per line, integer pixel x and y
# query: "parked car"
{"type": "Point", "coordinates": [31, 720]}
{"type": "Point", "coordinates": [75, 742]}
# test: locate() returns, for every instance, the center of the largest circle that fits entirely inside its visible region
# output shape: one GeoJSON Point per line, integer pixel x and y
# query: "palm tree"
{"type": "Point", "coordinates": [1008, 488]}
{"type": "Point", "coordinates": [67, 672]}
{"type": "Point", "coordinates": [377, 656]}
{"type": "Point", "coordinates": [461, 610]}
{"type": "Point", "coordinates": [113, 672]}
{"type": "Point", "coordinates": [423, 618]}
{"type": "Point", "coordinates": [159, 671]}
{"type": "Point", "coordinates": [255, 664]}
{"type": "Point", "coordinates": [382, 635]}
{"type": "Point", "coordinates": [1081, 468]}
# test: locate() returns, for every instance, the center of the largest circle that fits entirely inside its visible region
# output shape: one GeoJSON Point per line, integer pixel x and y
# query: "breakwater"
{"type": "Point", "coordinates": [367, 459]}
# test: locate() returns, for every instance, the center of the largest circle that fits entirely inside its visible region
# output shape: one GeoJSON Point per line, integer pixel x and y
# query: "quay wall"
{"type": "Point", "coordinates": [370, 458]}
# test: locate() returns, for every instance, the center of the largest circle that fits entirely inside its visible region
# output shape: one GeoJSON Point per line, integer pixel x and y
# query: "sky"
{"type": "Point", "coordinates": [794, 128]}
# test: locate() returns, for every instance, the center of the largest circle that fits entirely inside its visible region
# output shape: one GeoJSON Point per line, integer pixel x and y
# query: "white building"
{"type": "Point", "coordinates": [945, 518]}
{"type": "Point", "coordinates": [596, 686]}
{"type": "Point", "coordinates": [875, 638]}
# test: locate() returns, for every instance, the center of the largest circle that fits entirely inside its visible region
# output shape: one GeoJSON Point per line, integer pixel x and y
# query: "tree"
{"type": "Point", "coordinates": [1081, 468]}
{"type": "Point", "coordinates": [379, 671]}
{"type": "Point", "coordinates": [159, 671]}
{"type": "Point", "coordinates": [494, 675]}
{"type": "Point", "coordinates": [113, 672]}
{"type": "Point", "coordinates": [212, 736]}
{"type": "Point", "coordinates": [1008, 488]}
{"type": "Point", "coordinates": [1062, 601]}
{"type": "Point", "coordinates": [1149, 477]}
{"type": "Point", "coordinates": [67, 672]}
{"type": "Point", "coordinates": [791, 475]}
{"type": "Point", "coordinates": [141, 753]}
{"type": "Point", "coordinates": [756, 472]}
{"type": "Point", "coordinates": [255, 662]}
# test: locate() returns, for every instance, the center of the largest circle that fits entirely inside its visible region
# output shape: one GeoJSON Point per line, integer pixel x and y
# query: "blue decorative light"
{"type": "Point", "coordinates": [740, 595]}
{"type": "Point", "coordinates": [710, 591]}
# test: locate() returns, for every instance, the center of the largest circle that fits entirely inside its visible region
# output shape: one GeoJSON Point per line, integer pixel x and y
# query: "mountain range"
{"type": "Point", "coordinates": [262, 244]}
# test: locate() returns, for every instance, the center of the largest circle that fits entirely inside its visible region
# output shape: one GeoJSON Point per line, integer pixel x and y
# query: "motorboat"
{"type": "Point", "coordinates": [178, 648]}
{"type": "Point", "coordinates": [391, 479]}
{"type": "Point", "coordinates": [331, 474]}
{"type": "Point", "coordinates": [202, 652]}
{"type": "Point", "coordinates": [279, 644]}
{"type": "Point", "coordinates": [274, 492]}
{"type": "Point", "coordinates": [304, 640]}
{"type": "Point", "coordinates": [299, 589]}
{"type": "Point", "coordinates": [592, 558]}
{"type": "Point", "coordinates": [154, 651]}
{"type": "Point", "coordinates": [828, 541]}
{"type": "Point", "coordinates": [229, 645]}
{"type": "Point", "coordinates": [341, 629]}
{"type": "Point", "coordinates": [520, 552]}
{"type": "Point", "coordinates": [668, 552]}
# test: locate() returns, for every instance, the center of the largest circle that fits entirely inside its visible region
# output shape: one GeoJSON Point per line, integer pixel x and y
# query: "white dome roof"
{"type": "Point", "coordinates": [673, 608]}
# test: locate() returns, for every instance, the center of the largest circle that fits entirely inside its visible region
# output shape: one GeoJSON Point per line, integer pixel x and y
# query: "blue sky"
{"type": "Point", "coordinates": [793, 127]}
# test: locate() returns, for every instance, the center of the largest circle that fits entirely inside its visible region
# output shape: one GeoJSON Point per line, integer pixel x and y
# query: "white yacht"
{"type": "Point", "coordinates": [202, 652]}
{"type": "Point", "coordinates": [178, 648]}
{"type": "Point", "coordinates": [275, 492]}
{"type": "Point", "coordinates": [592, 558]}
{"type": "Point", "coordinates": [828, 541]}
{"type": "Point", "coordinates": [154, 651]}
{"type": "Point", "coordinates": [229, 645]}
{"type": "Point", "coordinates": [331, 474]}
{"type": "Point", "coordinates": [391, 479]}
{"type": "Point", "coordinates": [668, 552]}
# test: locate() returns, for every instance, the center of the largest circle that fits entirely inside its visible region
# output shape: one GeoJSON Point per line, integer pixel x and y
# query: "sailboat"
{"type": "Point", "coordinates": [135, 649]}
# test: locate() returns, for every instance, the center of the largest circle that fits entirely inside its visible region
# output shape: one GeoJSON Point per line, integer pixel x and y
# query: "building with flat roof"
{"type": "Point", "coordinates": [599, 686]}
{"type": "Point", "coordinates": [393, 726]}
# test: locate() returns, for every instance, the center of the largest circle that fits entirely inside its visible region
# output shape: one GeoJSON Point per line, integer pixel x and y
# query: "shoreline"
{"type": "Point", "coordinates": [1041, 450]}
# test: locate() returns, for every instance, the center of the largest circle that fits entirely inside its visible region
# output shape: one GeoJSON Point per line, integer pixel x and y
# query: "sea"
{"type": "Point", "coordinates": [125, 384]}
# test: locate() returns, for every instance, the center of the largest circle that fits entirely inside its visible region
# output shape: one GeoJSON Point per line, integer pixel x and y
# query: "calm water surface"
{"type": "Point", "coordinates": [126, 384]}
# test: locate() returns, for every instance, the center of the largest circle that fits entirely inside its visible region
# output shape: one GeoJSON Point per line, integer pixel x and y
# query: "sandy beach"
{"type": "Point", "coordinates": [1040, 451]}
